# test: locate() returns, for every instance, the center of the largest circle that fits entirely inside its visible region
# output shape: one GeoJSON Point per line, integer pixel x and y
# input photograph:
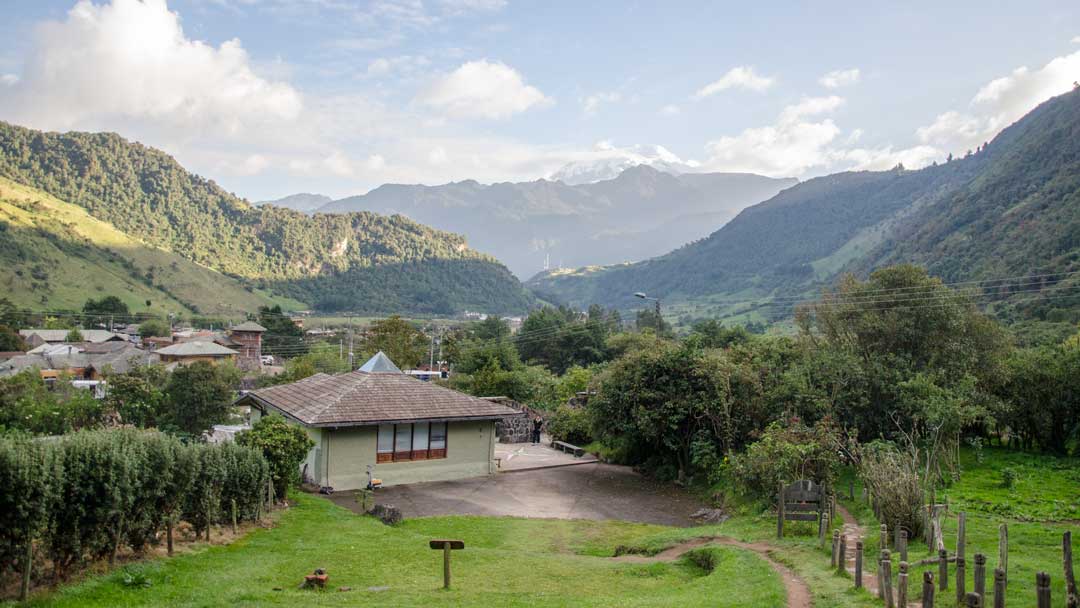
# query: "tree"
{"type": "Point", "coordinates": [154, 328]}
{"type": "Point", "coordinates": [404, 344]}
{"type": "Point", "coordinates": [10, 340]}
{"type": "Point", "coordinates": [105, 311]}
{"type": "Point", "coordinates": [713, 334]}
{"type": "Point", "coordinates": [283, 445]}
{"type": "Point", "coordinates": [74, 336]}
{"type": "Point", "coordinates": [138, 396]}
{"type": "Point", "coordinates": [199, 396]}
{"type": "Point", "coordinates": [491, 328]}
{"type": "Point", "coordinates": [282, 337]}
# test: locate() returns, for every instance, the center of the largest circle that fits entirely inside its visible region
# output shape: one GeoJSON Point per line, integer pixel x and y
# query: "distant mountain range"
{"type": "Point", "coordinates": [87, 214]}
{"type": "Point", "coordinates": [1012, 209]}
{"type": "Point", "coordinates": [304, 202]}
{"type": "Point", "coordinates": [619, 160]}
{"type": "Point", "coordinates": [639, 213]}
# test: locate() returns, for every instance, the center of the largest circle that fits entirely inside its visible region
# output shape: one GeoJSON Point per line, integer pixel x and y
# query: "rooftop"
{"type": "Point", "coordinates": [194, 349]}
{"type": "Point", "coordinates": [249, 326]}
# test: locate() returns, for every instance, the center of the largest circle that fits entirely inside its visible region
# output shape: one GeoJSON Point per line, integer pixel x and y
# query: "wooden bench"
{"type": "Point", "coordinates": [801, 501]}
{"type": "Point", "coordinates": [566, 447]}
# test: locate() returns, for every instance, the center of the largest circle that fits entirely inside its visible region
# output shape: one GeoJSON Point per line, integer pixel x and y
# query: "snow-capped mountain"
{"type": "Point", "coordinates": [610, 161]}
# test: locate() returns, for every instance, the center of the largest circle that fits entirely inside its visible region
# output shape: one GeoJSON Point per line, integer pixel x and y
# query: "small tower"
{"type": "Point", "coordinates": [248, 336]}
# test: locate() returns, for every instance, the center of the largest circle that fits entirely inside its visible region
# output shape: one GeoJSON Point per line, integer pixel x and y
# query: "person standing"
{"type": "Point", "coordinates": [538, 423]}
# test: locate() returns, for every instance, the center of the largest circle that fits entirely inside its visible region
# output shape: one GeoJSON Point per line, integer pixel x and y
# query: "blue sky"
{"type": "Point", "coordinates": [270, 97]}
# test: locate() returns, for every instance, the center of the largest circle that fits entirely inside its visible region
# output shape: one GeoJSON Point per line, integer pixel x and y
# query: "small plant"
{"type": "Point", "coordinates": [976, 444]}
{"type": "Point", "coordinates": [1008, 477]}
{"type": "Point", "coordinates": [134, 579]}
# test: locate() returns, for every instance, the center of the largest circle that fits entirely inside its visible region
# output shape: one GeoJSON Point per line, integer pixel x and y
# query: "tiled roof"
{"type": "Point", "coordinates": [196, 348]}
{"type": "Point", "coordinates": [60, 335]}
{"type": "Point", "coordinates": [365, 398]}
{"type": "Point", "coordinates": [249, 326]}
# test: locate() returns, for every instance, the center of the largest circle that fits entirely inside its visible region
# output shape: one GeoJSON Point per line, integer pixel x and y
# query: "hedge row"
{"type": "Point", "coordinates": [84, 495]}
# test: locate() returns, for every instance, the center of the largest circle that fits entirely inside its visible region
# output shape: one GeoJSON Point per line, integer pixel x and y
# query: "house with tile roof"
{"type": "Point", "coordinates": [405, 429]}
{"type": "Point", "coordinates": [186, 353]}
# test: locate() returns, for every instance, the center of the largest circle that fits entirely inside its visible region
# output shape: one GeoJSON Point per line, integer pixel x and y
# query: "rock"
{"type": "Point", "coordinates": [388, 514]}
{"type": "Point", "coordinates": [710, 516]}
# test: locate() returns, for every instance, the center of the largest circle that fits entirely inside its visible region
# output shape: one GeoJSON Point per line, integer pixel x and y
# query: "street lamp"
{"type": "Point", "coordinates": [659, 319]}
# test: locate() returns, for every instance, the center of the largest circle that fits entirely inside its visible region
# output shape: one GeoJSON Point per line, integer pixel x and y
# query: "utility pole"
{"type": "Point", "coordinates": [351, 355]}
{"type": "Point", "coordinates": [431, 351]}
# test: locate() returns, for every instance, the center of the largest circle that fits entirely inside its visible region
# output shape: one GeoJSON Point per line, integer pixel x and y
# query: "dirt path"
{"type": "Point", "coordinates": [798, 593]}
{"type": "Point", "coordinates": [853, 531]}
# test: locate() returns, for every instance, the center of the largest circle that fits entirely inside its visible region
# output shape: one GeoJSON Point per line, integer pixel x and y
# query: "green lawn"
{"type": "Point", "coordinates": [507, 562]}
{"type": "Point", "coordinates": [1043, 503]}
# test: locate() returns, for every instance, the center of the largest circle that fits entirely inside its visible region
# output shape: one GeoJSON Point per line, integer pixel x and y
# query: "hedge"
{"type": "Point", "coordinates": [86, 494]}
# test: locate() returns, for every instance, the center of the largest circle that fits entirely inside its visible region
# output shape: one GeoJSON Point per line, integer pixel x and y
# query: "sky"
{"type": "Point", "coordinates": [273, 97]}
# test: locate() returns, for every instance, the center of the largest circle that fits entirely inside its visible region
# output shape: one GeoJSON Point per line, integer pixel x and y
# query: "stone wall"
{"type": "Point", "coordinates": [516, 428]}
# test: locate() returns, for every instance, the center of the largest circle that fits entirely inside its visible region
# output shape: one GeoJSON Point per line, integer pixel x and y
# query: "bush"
{"type": "Point", "coordinates": [570, 424]}
{"type": "Point", "coordinates": [892, 477]}
{"type": "Point", "coordinates": [1008, 477]}
{"type": "Point", "coordinates": [283, 445]}
{"type": "Point", "coordinates": [86, 494]}
{"type": "Point", "coordinates": [786, 453]}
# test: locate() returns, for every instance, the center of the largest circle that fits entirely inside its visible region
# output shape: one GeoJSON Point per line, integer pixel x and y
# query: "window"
{"type": "Point", "coordinates": [385, 452]}
{"type": "Point", "coordinates": [438, 440]}
{"type": "Point", "coordinates": [405, 442]}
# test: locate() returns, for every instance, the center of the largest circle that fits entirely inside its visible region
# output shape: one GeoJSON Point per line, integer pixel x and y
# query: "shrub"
{"type": "Point", "coordinates": [1008, 477]}
{"type": "Point", "coordinates": [892, 478]}
{"type": "Point", "coordinates": [786, 453]}
{"type": "Point", "coordinates": [28, 475]}
{"type": "Point", "coordinates": [283, 445]}
{"type": "Point", "coordinates": [570, 424]}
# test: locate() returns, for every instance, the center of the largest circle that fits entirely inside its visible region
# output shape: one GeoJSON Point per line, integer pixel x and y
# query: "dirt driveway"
{"type": "Point", "coordinates": [583, 491]}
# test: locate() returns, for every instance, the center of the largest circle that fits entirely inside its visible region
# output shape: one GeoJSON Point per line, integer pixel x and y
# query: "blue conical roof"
{"type": "Point", "coordinates": [380, 363]}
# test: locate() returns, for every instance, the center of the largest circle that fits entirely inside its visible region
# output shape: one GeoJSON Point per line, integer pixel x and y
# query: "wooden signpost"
{"type": "Point", "coordinates": [799, 501]}
{"type": "Point", "coordinates": [446, 546]}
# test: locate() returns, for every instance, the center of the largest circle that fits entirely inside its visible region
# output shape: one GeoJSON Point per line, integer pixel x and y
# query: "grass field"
{"type": "Point", "coordinates": [1043, 502]}
{"type": "Point", "coordinates": [507, 562]}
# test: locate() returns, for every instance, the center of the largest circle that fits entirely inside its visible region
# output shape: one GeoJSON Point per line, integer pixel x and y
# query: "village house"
{"type": "Point", "coordinates": [186, 353]}
{"type": "Point", "coordinates": [37, 337]}
{"type": "Point", "coordinates": [248, 339]}
{"type": "Point", "coordinates": [85, 362]}
{"type": "Point", "coordinates": [409, 430]}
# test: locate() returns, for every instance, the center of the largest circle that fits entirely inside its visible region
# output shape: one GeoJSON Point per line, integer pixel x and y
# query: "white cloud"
{"type": "Point", "coordinates": [670, 110]}
{"type": "Point", "coordinates": [741, 77]}
{"type": "Point", "coordinates": [810, 106]}
{"type": "Point", "coordinates": [376, 162]}
{"type": "Point", "coordinates": [129, 61]}
{"type": "Point", "coordinates": [1076, 40]}
{"type": "Point", "coordinates": [591, 103]}
{"type": "Point", "coordinates": [437, 156]}
{"type": "Point", "coordinates": [482, 89]}
{"type": "Point", "coordinates": [456, 7]}
{"type": "Point", "coordinates": [8, 79]}
{"type": "Point", "coordinates": [999, 103]}
{"type": "Point", "coordinates": [839, 78]}
{"type": "Point", "coordinates": [402, 65]}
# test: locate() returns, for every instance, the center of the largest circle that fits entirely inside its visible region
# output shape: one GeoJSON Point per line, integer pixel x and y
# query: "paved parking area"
{"type": "Point", "coordinates": [587, 491]}
{"type": "Point", "coordinates": [520, 456]}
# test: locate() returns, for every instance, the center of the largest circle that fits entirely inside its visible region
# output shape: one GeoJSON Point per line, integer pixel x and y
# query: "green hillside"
{"type": "Point", "coordinates": [354, 261]}
{"type": "Point", "coordinates": [1008, 210]}
{"type": "Point", "coordinates": [54, 255]}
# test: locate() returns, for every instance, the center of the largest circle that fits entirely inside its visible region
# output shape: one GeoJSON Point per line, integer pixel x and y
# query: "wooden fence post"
{"type": "Point", "coordinates": [233, 505]}
{"type": "Point", "coordinates": [835, 547]}
{"type": "Point", "coordinates": [961, 536]}
{"type": "Point", "coordinates": [1072, 597]}
{"type": "Point", "coordinates": [841, 556]}
{"type": "Point", "coordinates": [780, 512]}
{"type": "Point", "coordinates": [1003, 551]}
{"type": "Point", "coordinates": [927, 590]}
{"type": "Point", "coordinates": [980, 575]}
{"type": "Point", "coordinates": [823, 524]}
{"type": "Point", "coordinates": [903, 545]}
{"type": "Point", "coordinates": [27, 566]}
{"type": "Point", "coordinates": [1042, 590]}
{"type": "Point", "coordinates": [960, 580]}
{"type": "Point", "coordinates": [269, 494]}
{"type": "Point", "coordinates": [999, 588]}
{"type": "Point", "coordinates": [886, 578]}
{"type": "Point", "coordinates": [943, 569]}
{"type": "Point", "coordinates": [974, 600]}
{"type": "Point", "coordinates": [832, 507]}
{"type": "Point", "coordinates": [168, 534]}
{"type": "Point", "coordinates": [883, 549]}
{"type": "Point", "coordinates": [858, 564]}
{"type": "Point", "coordinates": [901, 586]}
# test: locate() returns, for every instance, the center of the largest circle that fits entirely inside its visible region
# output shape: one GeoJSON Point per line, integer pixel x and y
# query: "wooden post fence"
{"type": "Point", "coordinates": [901, 586]}
{"type": "Point", "coordinates": [943, 570]}
{"type": "Point", "coordinates": [883, 550]}
{"type": "Point", "coordinates": [841, 564]}
{"type": "Point", "coordinates": [974, 600]}
{"type": "Point", "coordinates": [980, 575]}
{"type": "Point", "coordinates": [960, 580]}
{"type": "Point", "coordinates": [780, 511]}
{"type": "Point", "coordinates": [1072, 597]}
{"type": "Point", "coordinates": [835, 547]}
{"type": "Point", "coordinates": [858, 564]}
{"type": "Point", "coordinates": [961, 528]}
{"type": "Point", "coordinates": [1042, 590]}
{"type": "Point", "coordinates": [999, 588]}
{"type": "Point", "coordinates": [903, 545]}
{"type": "Point", "coordinates": [927, 590]}
{"type": "Point", "coordinates": [886, 578]}
{"type": "Point", "coordinates": [1003, 551]}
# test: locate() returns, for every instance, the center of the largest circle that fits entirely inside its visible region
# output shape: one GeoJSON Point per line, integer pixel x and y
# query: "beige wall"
{"type": "Point", "coordinates": [341, 456]}
{"type": "Point", "coordinates": [346, 453]}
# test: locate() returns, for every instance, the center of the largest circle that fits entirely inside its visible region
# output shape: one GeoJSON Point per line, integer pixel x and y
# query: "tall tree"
{"type": "Point", "coordinates": [199, 396]}
{"type": "Point", "coordinates": [406, 345]}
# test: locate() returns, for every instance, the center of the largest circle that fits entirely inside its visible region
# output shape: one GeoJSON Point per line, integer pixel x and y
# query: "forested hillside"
{"type": "Point", "coordinates": [1008, 209]}
{"type": "Point", "coordinates": [352, 261]}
